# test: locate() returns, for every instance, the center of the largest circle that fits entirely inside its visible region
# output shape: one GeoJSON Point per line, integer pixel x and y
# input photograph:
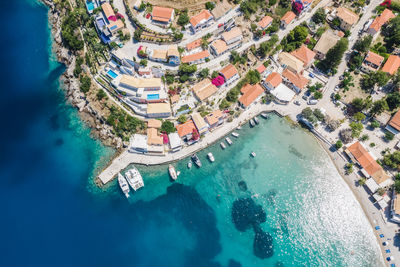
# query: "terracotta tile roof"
{"type": "Point", "coordinates": [340, 34]}
{"type": "Point", "coordinates": [326, 42]}
{"type": "Point", "coordinates": [214, 117]}
{"type": "Point", "coordinates": [395, 121]}
{"type": "Point", "coordinates": [175, 99]}
{"type": "Point", "coordinates": [374, 58]}
{"type": "Point", "coordinates": [305, 54]}
{"type": "Point", "coordinates": [392, 64]}
{"type": "Point", "coordinates": [193, 45]}
{"type": "Point", "coordinates": [379, 21]}
{"type": "Point", "coordinates": [232, 34]}
{"type": "Point", "coordinates": [163, 14]}
{"type": "Point", "coordinates": [265, 21]}
{"type": "Point", "coordinates": [107, 9]}
{"type": "Point", "coordinates": [185, 128]}
{"type": "Point", "coordinates": [115, 25]}
{"type": "Point", "coordinates": [159, 54]}
{"type": "Point", "coordinates": [347, 15]}
{"type": "Point", "coordinates": [157, 108]}
{"type": "Point", "coordinates": [396, 204]}
{"type": "Point", "coordinates": [274, 79]}
{"type": "Point", "coordinates": [366, 161]}
{"type": "Point", "coordinates": [298, 80]}
{"type": "Point", "coordinates": [204, 15]}
{"type": "Point", "coordinates": [288, 17]}
{"type": "Point", "coordinates": [196, 56]}
{"type": "Point", "coordinates": [173, 51]}
{"type": "Point", "coordinates": [153, 123]}
{"type": "Point", "coordinates": [204, 89]}
{"type": "Point", "coordinates": [219, 46]}
{"type": "Point", "coordinates": [261, 68]}
{"type": "Point", "coordinates": [228, 71]}
{"type": "Point", "coordinates": [199, 122]}
{"type": "Point", "coordinates": [290, 61]}
{"type": "Point", "coordinates": [250, 93]}
{"type": "Point", "coordinates": [153, 138]}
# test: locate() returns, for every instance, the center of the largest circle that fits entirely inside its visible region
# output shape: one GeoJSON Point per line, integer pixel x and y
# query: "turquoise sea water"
{"type": "Point", "coordinates": [54, 215]}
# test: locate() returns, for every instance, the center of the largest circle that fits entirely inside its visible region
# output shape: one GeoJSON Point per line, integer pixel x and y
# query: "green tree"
{"type": "Point", "coordinates": [85, 82]}
{"type": "Point", "coordinates": [356, 129]}
{"type": "Point", "coordinates": [168, 127]}
{"type": "Point", "coordinates": [389, 136]}
{"type": "Point", "coordinates": [338, 144]}
{"type": "Point", "coordinates": [295, 38]}
{"type": "Point", "coordinates": [362, 181]}
{"type": "Point", "coordinates": [182, 118]}
{"type": "Point", "coordinates": [334, 55]}
{"type": "Point", "coordinates": [210, 5]}
{"type": "Point", "coordinates": [391, 33]}
{"type": "Point", "coordinates": [183, 18]}
{"type": "Point", "coordinates": [187, 69]}
{"type": "Point", "coordinates": [204, 73]}
{"type": "Point", "coordinates": [169, 78]}
{"type": "Point", "coordinates": [253, 76]}
{"type": "Point", "coordinates": [362, 45]}
{"type": "Point", "coordinates": [375, 124]}
{"type": "Point", "coordinates": [143, 62]}
{"type": "Point", "coordinates": [319, 16]}
{"type": "Point", "coordinates": [378, 107]}
{"type": "Point", "coordinates": [359, 117]}
{"type": "Point", "coordinates": [393, 100]}
{"type": "Point", "coordinates": [101, 94]}
{"type": "Point", "coordinates": [318, 95]}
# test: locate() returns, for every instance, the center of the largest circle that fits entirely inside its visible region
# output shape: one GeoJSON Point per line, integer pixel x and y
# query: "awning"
{"type": "Point", "coordinates": [372, 185]}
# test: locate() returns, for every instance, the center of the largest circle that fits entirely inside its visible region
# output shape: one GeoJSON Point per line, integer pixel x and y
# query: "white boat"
{"type": "Point", "coordinates": [196, 160]}
{"type": "Point", "coordinates": [252, 123]}
{"type": "Point", "coordinates": [256, 120]}
{"type": "Point", "coordinates": [239, 128]}
{"type": "Point", "coordinates": [253, 154]}
{"type": "Point", "coordinates": [228, 140]}
{"type": "Point", "coordinates": [134, 178]}
{"type": "Point", "coordinates": [123, 184]}
{"type": "Point", "coordinates": [264, 115]}
{"type": "Point", "coordinates": [235, 134]}
{"type": "Point", "coordinates": [189, 165]}
{"type": "Point", "coordinates": [172, 172]}
{"type": "Point", "coordinates": [222, 145]}
{"type": "Point", "coordinates": [211, 157]}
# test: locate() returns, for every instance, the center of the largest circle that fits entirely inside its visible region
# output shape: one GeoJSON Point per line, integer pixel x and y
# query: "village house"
{"type": "Point", "coordinates": [372, 62]}
{"type": "Point", "coordinates": [153, 123]}
{"type": "Point", "coordinates": [175, 142]}
{"type": "Point", "coordinates": [304, 54]}
{"type": "Point", "coordinates": [282, 93]}
{"type": "Point", "coordinates": [392, 64]}
{"type": "Point", "coordinates": [162, 15]}
{"type": "Point", "coordinates": [347, 18]}
{"type": "Point", "coordinates": [154, 142]}
{"type": "Point", "coordinates": [287, 19]}
{"type": "Point", "coordinates": [272, 81]}
{"type": "Point", "coordinates": [393, 125]}
{"type": "Point", "coordinates": [108, 12]}
{"type": "Point", "coordinates": [201, 20]}
{"type": "Point", "coordinates": [291, 62]}
{"type": "Point", "coordinates": [327, 40]}
{"type": "Point", "coordinates": [250, 94]}
{"type": "Point", "coordinates": [158, 110]}
{"type": "Point", "coordinates": [173, 55]}
{"type": "Point", "coordinates": [196, 58]}
{"type": "Point", "coordinates": [150, 84]}
{"type": "Point", "coordinates": [204, 89]}
{"type": "Point", "coordinates": [219, 47]}
{"type": "Point", "coordinates": [200, 123]}
{"type": "Point", "coordinates": [193, 46]}
{"type": "Point", "coordinates": [395, 209]}
{"type": "Point", "coordinates": [294, 81]}
{"type": "Point", "coordinates": [215, 119]}
{"type": "Point", "coordinates": [379, 21]}
{"type": "Point", "coordinates": [265, 22]}
{"type": "Point", "coordinates": [157, 55]}
{"type": "Point", "coordinates": [138, 144]}
{"type": "Point", "coordinates": [262, 70]}
{"type": "Point", "coordinates": [229, 73]}
{"type": "Point", "coordinates": [232, 36]}
{"type": "Point", "coordinates": [185, 130]}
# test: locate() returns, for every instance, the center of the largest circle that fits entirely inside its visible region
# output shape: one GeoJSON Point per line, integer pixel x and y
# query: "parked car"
{"type": "Point", "coordinates": [341, 77]}
{"type": "Point", "coordinates": [297, 102]}
{"type": "Point", "coordinates": [311, 75]}
{"type": "Point", "coordinates": [312, 101]}
{"type": "Point", "coordinates": [305, 97]}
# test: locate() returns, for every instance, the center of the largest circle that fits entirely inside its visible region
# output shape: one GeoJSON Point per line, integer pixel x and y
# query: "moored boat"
{"type": "Point", "coordinates": [228, 140]}
{"type": "Point", "coordinates": [189, 165]}
{"type": "Point", "coordinates": [134, 178]}
{"type": "Point", "coordinates": [123, 184]}
{"type": "Point", "coordinates": [264, 115]}
{"type": "Point", "coordinates": [211, 157]}
{"type": "Point", "coordinates": [172, 172]}
{"type": "Point", "coordinates": [196, 160]}
{"type": "Point", "coordinates": [222, 145]}
{"type": "Point", "coordinates": [253, 154]}
{"type": "Point", "coordinates": [256, 120]}
{"type": "Point", "coordinates": [252, 123]}
{"type": "Point", "coordinates": [239, 128]}
{"type": "Point", "coordinates": [235, 134]}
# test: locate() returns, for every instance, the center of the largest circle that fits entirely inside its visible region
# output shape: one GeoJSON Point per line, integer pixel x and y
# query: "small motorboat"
{"type": "Point", "coordinates": [235, 134]}
{"type": "Point", "coordinates": [264, 115]}
{"type": "Point", "coordinates": [172, 172]}
{"type": "Point", "coordinates": [239, 128]}
{"type": "Point", "coordinates": [252, 123]}
{"type": "Point", "coordinates": [256, 120]}
{"type": "Point", "coordinates": [253, 154]}
{"type": "Point", "coordinates": [123, 184]}
{"type": "Point", "coordinates": [196, 160]}
{"type": "Point", "coordinates": [211, 157]}
{"type": "Point", "coordinates": [228, 140]}
{"type": "Point", "coordinates": [222, 145]}
{"type": "Point", "coordinates": [189, 165]}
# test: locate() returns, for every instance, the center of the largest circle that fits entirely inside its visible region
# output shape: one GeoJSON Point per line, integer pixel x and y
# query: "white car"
{"type": "Point", "coordinates": [312, 101]}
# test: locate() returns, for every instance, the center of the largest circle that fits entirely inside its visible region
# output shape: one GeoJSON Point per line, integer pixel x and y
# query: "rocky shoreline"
{"type": "Point", "coordinates": [88, 112]}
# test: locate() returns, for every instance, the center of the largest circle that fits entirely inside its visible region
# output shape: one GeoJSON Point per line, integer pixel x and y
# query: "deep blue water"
{"type": "Point", "coordinates": [53, 214]}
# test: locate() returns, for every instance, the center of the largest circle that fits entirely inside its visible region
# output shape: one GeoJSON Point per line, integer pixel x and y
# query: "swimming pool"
{"type": "Point", "coordinates": [153, 97]}
{"type": "Point", "coordinates": [90, 5]}
{"type": "Point", "coordinates": [112, 74]}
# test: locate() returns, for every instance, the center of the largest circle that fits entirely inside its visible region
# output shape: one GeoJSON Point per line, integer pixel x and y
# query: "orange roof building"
{"type": "Point", "coordinates": [395, 122]}
{"type": "Point", "coordinates": [153, 139]}
{"type": "Point", "coordinates": [287, 18]}
{"type": "Point", "coordinates": [193, 45]}
{"type": "Point", "coordinates": [273, 80]}
{"type": "Point", "coordinates": [265, 22]}
{"type": "Point", "coordinates": [261, 68]}
{"type": "Point", "coordinates": [153, 123]}
{"type": "Point", "coordinates": [304, 54]}
{"type": "Point", "coordinates": [372, 61]}
{"type": "Point", "coordinates": [296, 81]}
{"type": "Point", "coordinates": [379, 21]}
{"type": "Point", "coordinates": [196, 58]}
{"type": "Point", "coordinates": [367, 162]}
{"type": "Point", "coordinates": [250, 94]}
{"type": "Point", "coordinates": [107, 10]}
{"type": "Point", "coordinates": [219, 47]}
{"type": "Point", "coordinates": [229, 72]}
{"type": "Point", "coordinates": [201, 20]}
{"type": "Point", "coordinates": [185, 129]}
{"type": "Point", "coordinates": [215, 118]}
{"type": "Point", "coordinates": [232, 36]}
{"type": "Point", "coordinates": [347, 18]}
{"type": "Point", "coordinates": [204, 89]}
{"type": "Point", "coordinates": [392, 64]}
{"type": "Point", "coordinates": [162, 14]}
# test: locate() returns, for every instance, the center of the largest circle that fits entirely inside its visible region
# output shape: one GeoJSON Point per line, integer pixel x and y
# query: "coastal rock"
{"type": "Point", "coordinates": [242, 185]}
{"type": "Point", "coordinates": [263, 244]}
{"type": "Point", "coordinates": [246, 213]}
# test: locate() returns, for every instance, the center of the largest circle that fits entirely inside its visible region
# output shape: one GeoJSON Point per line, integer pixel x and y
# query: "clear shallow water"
{"type": "Point", "coordinates": [53, 215]}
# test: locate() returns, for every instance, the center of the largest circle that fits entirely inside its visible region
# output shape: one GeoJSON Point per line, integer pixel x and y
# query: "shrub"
{"type": "Point", "coordinates": [338, 144]}
{"type": "Point", "coordinates": [101, 94]}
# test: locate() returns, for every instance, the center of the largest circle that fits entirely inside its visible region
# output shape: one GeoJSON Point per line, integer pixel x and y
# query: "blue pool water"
{"type": "Point", "coordinates": [153, 97]}
{"type": "Point", "coordinates": [90, 5]}
{"type": "Point", "coordinates": [112, 74]}
{"type": "Point", "coordinates": [54, 215]}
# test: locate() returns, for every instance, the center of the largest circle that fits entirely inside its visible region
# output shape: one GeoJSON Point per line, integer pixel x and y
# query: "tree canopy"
{"type": "Point", "coordinates": [334, 55]}
{"type": "Point", "coordinates": [391, 33]}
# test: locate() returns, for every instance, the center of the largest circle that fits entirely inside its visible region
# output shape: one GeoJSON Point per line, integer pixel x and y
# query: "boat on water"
{"type": "Point", "coordinates": [235, 134]}
{"type": "Point", "coordinates": [252, 123]}
{"type": "Point", "coordinates": [253, 154]}
{"type": "Point", "coordinates": [196, 160]}
{"type": "Point", "coordinates": [189, 165]}
{"type": "Point", "coordinates": [172, 172]}
{"type": "Point", "coordinates": [256, 120]}
{"type": "Point", "coordinates": [222, 145]}
{"type": "Point", "coordinates": [211, 157]}
{"type": "Point", "coordinates": [228, 140]}
{"type": "Point", "coordinates": [134, 178]}
{"type": "Point", "coordinates": [239, 128]}
{"type": "Point", "coordinates": [123, 184]}
{"type": "Point", "coordinates": [264, 115]}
